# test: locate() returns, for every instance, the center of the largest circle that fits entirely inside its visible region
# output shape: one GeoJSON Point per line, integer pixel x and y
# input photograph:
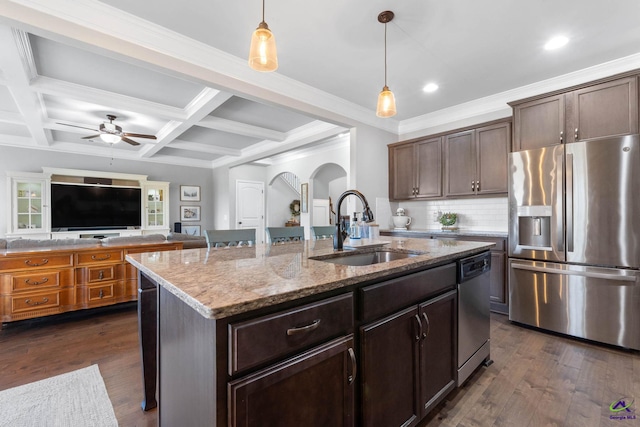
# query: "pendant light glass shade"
{"type": "Point", "coordinates": [262, 54]}
{"type": "Point", "coordinates": [386, 100]}
{"type": "Point", "coordinates": [386, 103]}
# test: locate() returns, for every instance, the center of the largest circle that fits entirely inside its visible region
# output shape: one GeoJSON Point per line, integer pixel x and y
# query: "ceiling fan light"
{"type": "Point", "coordinates": [263, 55]}
{"type": "Point", "coordinates": [386, 103]}
{"type": "Point", "coordinates": [110, 138]}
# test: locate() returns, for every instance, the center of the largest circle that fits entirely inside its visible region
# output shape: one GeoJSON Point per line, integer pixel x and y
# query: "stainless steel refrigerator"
{"type": "Point", "coordinates": [574, 239]}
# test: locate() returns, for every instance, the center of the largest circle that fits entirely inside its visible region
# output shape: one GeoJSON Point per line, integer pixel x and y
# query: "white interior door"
{"type": "Point", "coordinates": [321, 212]}
{"type": "Point", "coordinates": [250, 207]}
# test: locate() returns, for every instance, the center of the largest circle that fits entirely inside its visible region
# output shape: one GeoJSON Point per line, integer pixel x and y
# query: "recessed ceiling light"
{"type": "Point", "coordinates": [431, 87]}
{"type": "Point", "coordinates": [556, 43]}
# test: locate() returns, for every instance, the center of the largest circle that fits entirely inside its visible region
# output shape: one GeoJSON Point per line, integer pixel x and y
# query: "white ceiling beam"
{"type": "Point", "coordinates": [204, 148]}
{"type": "Point", "coordinates": [54, 87]}
{"type": "Point", "coordinates": [299, 137]}
{"type": "Point", "coordinates": [13, 118]}
{"type": "Point", "coordinates": [202, 105]}
{"type": "Point", "coordinates": [16, 61]}
{"type": "Point", "coordinates": [239, 128]}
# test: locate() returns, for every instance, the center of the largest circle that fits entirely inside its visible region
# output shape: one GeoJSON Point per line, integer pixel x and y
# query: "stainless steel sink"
{"type": "Point", "coordinates": [367, 258]}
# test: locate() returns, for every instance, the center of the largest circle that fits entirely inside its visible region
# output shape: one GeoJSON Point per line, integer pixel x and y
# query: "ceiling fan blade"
{"type": "Point", "coordinates": [139, 135]}
{"type": "Point", "coordinates": [129, 141]}
{"type": "Point", "coordinates": [91, 136]}
{"type": "Point", "coordinates": [75, 126]}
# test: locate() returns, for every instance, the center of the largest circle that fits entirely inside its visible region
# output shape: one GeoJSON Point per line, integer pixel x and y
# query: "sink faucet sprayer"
{"type": "Point", "coordinates": [367, 216]}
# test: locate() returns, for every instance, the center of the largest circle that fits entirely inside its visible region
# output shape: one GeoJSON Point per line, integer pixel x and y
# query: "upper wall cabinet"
{"type": "Point", "coordinates": [156, 204]}
{"type": "Point", "coordinates": [595, 111]}
{"type": "Point", "coordinates": [415, 170]}
{"type": "Point", "coordinates": [29, 205]}
{"type": "Point", "coordinates": [476, 160]}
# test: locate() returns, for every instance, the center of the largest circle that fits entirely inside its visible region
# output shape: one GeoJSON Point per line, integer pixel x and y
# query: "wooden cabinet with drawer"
{"type": "Point", "coordinates": [44, 282]}
{"type": "Point", "coordinates": [38, 292]}
{"type": "Point", "coordinates": [411, 350]}
{"type": "Point", "coordinates": [294, 348]}
{"type": "Point", "coordinates": [99, 277]}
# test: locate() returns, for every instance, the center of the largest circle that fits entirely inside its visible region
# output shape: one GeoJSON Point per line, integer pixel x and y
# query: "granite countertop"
{"type": "Point", "coordinates": [221, 282]}
{"type": "Point", "coordinates": [501, 234]}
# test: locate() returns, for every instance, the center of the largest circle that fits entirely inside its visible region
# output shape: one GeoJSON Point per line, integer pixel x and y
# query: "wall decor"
{"type": "Point", "coordinates": [189, 213]}
{"type": "Point", "coordinates": [189, 193]}
{"type": "Point", "coordinates": [192, 230]}
{"type": "Point", "coordinates": [304, 196]}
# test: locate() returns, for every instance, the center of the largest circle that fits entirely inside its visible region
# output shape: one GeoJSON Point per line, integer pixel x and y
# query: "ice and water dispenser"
{"type": "Point", "coordinates": [534, 227]}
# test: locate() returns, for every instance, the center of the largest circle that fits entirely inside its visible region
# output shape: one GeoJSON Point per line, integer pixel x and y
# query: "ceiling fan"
{"type": "Point", "coordinates": [112, 133]}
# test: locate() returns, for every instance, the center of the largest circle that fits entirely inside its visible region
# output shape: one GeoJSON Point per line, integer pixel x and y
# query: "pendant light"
{"type": "Point", "coordinates": [262, 53]}
{"type": "Point", "coordinates": [386, 100]}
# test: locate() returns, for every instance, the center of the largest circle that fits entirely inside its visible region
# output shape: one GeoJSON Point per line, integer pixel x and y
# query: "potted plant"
{"type": "Point", "coordinates": [448, 221]}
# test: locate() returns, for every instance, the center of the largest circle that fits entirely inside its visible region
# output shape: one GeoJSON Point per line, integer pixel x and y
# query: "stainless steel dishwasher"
{"type": "Point", "coordinates": [473, 314]}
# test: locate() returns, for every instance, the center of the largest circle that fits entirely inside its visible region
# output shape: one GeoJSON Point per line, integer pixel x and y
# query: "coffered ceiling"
{"type": "Point", "coordinates": [178, 70]}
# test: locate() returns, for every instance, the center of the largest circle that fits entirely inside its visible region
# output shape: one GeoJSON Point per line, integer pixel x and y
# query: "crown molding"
{"type": "Point", "coordinates": [496, 105]}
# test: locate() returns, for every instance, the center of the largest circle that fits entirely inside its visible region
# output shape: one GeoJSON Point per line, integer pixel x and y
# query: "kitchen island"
{"type": "Point", "coordinates": [284, 335]}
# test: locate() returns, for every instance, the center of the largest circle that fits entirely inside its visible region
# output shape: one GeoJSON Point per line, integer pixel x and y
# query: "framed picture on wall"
{"type": "Point", "coordinates": [192, 230]}
{"type": "Point", "coordinates": [304, 197]}
{"type": "Point", "coordinates": [189, 213]}
{"type": "Point", "coordinates": [189, 193]}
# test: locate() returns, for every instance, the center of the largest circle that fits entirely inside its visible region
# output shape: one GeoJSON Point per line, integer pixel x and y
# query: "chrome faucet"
{"type": "Point", "coordinates": [367, 216]}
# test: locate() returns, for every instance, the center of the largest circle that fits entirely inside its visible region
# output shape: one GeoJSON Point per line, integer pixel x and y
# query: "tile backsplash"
{"type": "Point", "coordinates": [474, 214]}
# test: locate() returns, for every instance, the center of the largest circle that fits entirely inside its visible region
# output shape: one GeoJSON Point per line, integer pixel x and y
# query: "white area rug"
{"type": "Point", "coordinates": [75, 399]}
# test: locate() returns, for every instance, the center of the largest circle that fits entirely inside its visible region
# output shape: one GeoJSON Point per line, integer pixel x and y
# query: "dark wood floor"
{"type": "Point", "coordinates": [537, 379]}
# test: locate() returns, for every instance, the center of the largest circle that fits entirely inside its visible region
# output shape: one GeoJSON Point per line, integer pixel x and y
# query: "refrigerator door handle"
{"type": "Point", "coordinates": [569, 203]}
{"type": "Point", "coordinates": [559, 197]}
{"type": "Point", "coordinates": [574, 272]}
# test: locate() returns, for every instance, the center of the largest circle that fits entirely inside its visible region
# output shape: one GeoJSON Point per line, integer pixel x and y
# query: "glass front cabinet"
{"type": "Point", "coordinates": [29, 205]}
{"type": "Point", "coordinates": [156, 203]}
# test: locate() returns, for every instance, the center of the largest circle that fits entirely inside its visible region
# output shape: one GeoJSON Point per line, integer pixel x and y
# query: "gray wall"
{"type": "Point", "coordinates": [33, 160]}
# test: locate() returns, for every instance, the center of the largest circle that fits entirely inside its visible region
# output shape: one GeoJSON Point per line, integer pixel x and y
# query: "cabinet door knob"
{"type": "Point", "coordinates": [575, 134]}
{"type": "Point", "coordinates": [561, 137]}
{"type": "Point", "coordinates": [473, 186]}
{"type": "Point", "coordinates": [478, 185]}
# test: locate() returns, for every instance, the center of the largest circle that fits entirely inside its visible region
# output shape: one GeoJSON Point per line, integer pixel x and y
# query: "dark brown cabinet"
{"type": "Point", "coordinates": [415, 169]}
{"type": "Point", "coordinates": [315, 389]}
{"type": "Point", "coordinates": [390, 370]}
{"type": "Point", "coordinates": [407, 358]}
{"type": "Point", "coordinates": [437, 349]}
{"type": "Point", "coordinates": [538, 123]}
{"type": "Point", "coordinates": [499, 287]}
{"type": "Point", "coordinates": [476, 160]}
{"type": "Point", "coordinates": [593, 111]}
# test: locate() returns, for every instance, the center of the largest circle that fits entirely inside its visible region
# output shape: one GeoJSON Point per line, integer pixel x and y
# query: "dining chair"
{"type": "Point", "coordinates": [323, 231]}
{"type": "Point", "coordinates": [285, 234]}
{"type": "Point", "coordinates": [229, 238]}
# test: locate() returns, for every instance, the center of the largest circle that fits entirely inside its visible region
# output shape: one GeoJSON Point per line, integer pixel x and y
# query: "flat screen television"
{"type": "Point", "coordinates": [92, 207]}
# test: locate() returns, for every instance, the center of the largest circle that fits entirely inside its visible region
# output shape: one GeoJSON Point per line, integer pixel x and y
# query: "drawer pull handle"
{"type": "Point", "coordinates": [303, 329]}
{"type": "Point", "coordinates": [36, 283]}
{"type": "Point", "coordinates": [101, 275]}
{"type": "Point", "coordinates": [354, 367]}
{"type": "Point", "coordinates": [36, 264]}
{"type": "Point", "coordinates": [101, 293]}
{"type": "Point", "coordinates": [95, 258]}
{"type": "Point", "coordinates": [29, 302]}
